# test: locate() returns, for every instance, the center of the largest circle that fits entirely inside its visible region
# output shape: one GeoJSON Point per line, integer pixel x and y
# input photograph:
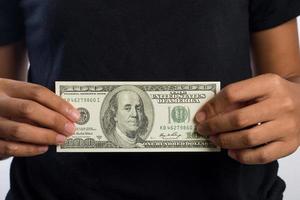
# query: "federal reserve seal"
{"type": "Point", "coordinates": [84, 116]}
{"type": "Point", "coordinates": [179, 114]}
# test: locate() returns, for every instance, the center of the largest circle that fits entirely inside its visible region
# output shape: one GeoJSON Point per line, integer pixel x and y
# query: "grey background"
{"type": "Point", "coordinates": [289, 170]}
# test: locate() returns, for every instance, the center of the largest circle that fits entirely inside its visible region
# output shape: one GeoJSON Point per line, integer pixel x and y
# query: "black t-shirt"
{"type": "Point", "coordinates": [139, 40]}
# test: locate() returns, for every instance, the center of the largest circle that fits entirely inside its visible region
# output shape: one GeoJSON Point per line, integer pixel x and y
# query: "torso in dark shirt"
{"type": "Point", "coordinates": [139, 40]}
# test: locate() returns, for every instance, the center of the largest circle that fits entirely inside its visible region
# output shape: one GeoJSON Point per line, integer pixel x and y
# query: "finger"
{"type": "Point", "coordinates": [21, 132]}
{"type": "Point", "coordinates": [264, 154]}
{"type": "Point", "coordinates": [13, 107]}
{"type": "Point", "coordinates": [21, 120]}
{"type": "Point", "coordinates": [43, 96]}
{"type": "Point", "coordinates": [8, 148]}
{"type": "Point", "coordinates": [254, 88]}
{"type": "Point", "coordinates": [253, 137]}
{"type": "Point", "coordinates": [238, 119]}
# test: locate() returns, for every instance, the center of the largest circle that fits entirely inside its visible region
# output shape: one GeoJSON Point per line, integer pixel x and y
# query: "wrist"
{"type": "Point", "coordinates": [4, 158]}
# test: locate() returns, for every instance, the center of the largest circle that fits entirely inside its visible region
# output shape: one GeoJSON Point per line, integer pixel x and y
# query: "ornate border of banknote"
{"type": "Point", "coordinates": [137, 116]}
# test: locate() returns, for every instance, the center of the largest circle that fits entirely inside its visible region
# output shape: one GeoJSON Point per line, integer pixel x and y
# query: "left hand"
{"type": "Point", "coordinates": [231, 119]}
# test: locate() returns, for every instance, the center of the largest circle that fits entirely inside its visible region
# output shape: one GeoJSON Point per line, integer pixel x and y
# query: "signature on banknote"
{"type": "Point", "coordinates": [174, 135]}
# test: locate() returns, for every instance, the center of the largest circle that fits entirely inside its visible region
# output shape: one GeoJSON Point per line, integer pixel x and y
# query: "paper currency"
{"type": "Point", "coordinates": [137, 116]}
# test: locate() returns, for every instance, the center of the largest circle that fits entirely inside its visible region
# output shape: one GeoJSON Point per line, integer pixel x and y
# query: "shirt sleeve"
{"type": "Point", "coordinates": [11, 22]}
{"type": "Point", "coordinates": [265, 14]}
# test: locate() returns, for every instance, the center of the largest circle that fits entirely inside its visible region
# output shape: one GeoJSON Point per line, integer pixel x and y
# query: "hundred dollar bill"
{"type": "Point", "coordinates": [137, 116]}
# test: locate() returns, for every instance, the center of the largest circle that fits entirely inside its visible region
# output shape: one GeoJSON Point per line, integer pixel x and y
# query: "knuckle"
{"type": "Point", "coordinates": [52, 139]}
{"type": "Point", "coordinates": [26, 108]}
{"type": "Point", "coordinates": [54, 121]}
{"type": "Point", "coordinates": [49, 137]}
{"type": "Point", "coordinates": [293, 125]}
{"type": "Point", "coordinates": [10, 149]}
{"type": "Point", "coordinates": [209, 108]}
{"type": "Point", "coordinates": [293, 150]}
{"type": "Point", "coordinates": [57, 123]}
{"type": "Point", "coordinates": [239, 120]}
{"type": "Point", "coordinates": [293, 147]}
{"type": "Point", "coordinates": [16, 134]}
{"type": "Point", "coordinates": [63, 106]}
{"type": "Point", "coordinates": [249, 139]}
{"type": "Point", "coordinates": [3, 83]}
{"type": "Point", "coordinates": [46, 137]}
{"type": "Point", "coordinates": [223, 141]}
{"type": "Point", "coordinates": [230, 93]}
{"type": "Point", "coordinates": [263, 158]}
{"type": "Point", "coordinates": [38, 92]}
{"type": "Point", "coordinates": [274, 79]}
{"type": "Point", "coordinates": [287, 104]}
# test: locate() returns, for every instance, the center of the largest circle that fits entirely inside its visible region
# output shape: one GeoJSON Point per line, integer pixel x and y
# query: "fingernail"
{"type": "Point", "coordinates": [74, 114]}
{"type": "Point", "coordinates": [231, 154]}
{"type": "Point", "coordinates": [70, 128]}
{"type": "Point", "coordinates": [43, 149]}
{"type": "Point", "coordinates": [200, 116]}
{"type": "Point", "coordinates": [60, 139]}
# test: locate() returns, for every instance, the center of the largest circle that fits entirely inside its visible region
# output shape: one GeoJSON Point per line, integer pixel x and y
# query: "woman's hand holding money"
{"type": "Point", "coordinates": [257, 120]}
{"type": "Point", "coordinates": [32, 118]}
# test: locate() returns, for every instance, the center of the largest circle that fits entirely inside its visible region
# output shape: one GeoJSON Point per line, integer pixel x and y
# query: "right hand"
{"type": "Point", "coordinates": [32, 118]}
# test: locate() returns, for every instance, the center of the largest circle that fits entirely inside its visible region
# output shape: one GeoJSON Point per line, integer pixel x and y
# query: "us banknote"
{"type": "Point", "coordinates": [137, 116]}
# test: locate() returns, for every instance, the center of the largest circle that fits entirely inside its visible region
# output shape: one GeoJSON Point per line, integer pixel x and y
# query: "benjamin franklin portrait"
{"type": "Point", "coordinates": [124, 121]}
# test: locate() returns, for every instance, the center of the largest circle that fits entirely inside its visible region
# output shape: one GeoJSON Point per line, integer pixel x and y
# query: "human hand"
{"type": "Point", "coordinates": [231, 119]}
{"type": "Point", "coordinates": [32, 118]}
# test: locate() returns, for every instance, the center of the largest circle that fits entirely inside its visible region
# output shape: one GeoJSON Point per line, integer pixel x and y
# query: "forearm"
{"type": "Point", "coordinates": [277, 51]}
{"type": "Point", "coordinates": [13, 61]}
